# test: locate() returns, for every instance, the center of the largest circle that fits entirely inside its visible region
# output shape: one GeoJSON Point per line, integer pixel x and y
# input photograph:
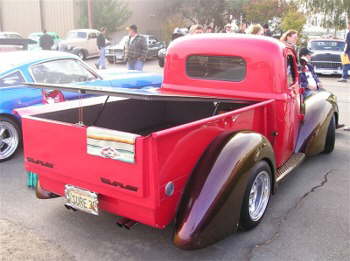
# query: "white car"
{"type": "Point", "coordinates": [82, 42]}
{"type": "Point", "coordinates": [326, 55]}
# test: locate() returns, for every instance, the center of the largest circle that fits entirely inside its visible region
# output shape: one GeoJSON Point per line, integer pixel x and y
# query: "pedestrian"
{"type": "Point", "coordinates": [346, 58]}
{"type": "Point", "coordinates": [196, 29]}
{"type": "Point", "coordinates": [136, 49]}
{"type": "Point", "coordinates": [228, 29]}
{"type": "Point", "coordinates": [308, 78]}
{"type": "Point", "coordinates": [290, 38]}
{"type": "Point", "coordinates": [101, 44]}
{"type": "Point", "coordinates": [46, 41]}
{"type": "Point", "coordinates": [255, 29]}
{"type": "Point", "coordinates": [209, 30]}
{"type": "Point", "coordinates": [267, 31]}
{"type": "Point", "coordinates": [242, 28]}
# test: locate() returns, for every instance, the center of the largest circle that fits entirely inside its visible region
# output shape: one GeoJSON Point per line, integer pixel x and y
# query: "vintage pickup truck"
{"type": "Point", "coordinates": [207, 149]}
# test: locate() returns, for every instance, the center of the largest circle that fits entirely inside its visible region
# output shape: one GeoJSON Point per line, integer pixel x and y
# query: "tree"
{"type": "Point", "coordinates": [293, 19]}
{"type": "Point", "coordinates": [261, 11]}
{"type": "Point", "coordinates": [329, 13]}
{"type": "Point", "coordinates": [111, 14]}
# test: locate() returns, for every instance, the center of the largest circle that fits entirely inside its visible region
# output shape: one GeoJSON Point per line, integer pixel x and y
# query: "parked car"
{"type": "Point", "coordinates": [49, 67]}
{"type": "Point", "coordinates": [81, 42]}
{"type": "Point", "coordinates": [205, 152]}
{"type": "Point", "coordinates": [12, 41]}
{"type": "Point", "coordinates": [12, 35]}
{"type": "Point", "coordinates": [326, 55]}
{"type": "Point", "coordinates": [116, 53]}
{"type": "Point", "coordinates": [36, 36]}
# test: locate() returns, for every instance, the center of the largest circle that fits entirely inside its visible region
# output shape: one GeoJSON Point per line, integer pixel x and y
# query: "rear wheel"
{"type": "Point", "coordinates": [111, 60]}
{"type": "Point", "coordinates": [257, 196]}
{"type": "Point", "coordinates": [330, 139]}
{"type": "Point", "coordinates": [81, 54]}
{"type": "Point", "coordinates": [10, 138]}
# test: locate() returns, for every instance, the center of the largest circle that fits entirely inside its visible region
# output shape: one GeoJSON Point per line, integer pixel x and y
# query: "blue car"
{"type": "Point", "coordinates": [55, 68]}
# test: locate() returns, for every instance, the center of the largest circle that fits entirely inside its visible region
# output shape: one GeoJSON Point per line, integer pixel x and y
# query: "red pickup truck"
{"type": "Point", "coordinates": [207, 149]}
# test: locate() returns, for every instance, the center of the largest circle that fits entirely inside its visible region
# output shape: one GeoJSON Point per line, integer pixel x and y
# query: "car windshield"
{"type": "Point", "coordinates": [61, 72]}
{"type": "Point", "coordinates": [77, 35]}
{"type": "Point", "coordinates": [327, 46]}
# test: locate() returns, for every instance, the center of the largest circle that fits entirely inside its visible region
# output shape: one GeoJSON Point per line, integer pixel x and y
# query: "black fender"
{"type": "Point", "coordinates": [319, 110]}
{"type": "Point", "coordinates": [211, 204]}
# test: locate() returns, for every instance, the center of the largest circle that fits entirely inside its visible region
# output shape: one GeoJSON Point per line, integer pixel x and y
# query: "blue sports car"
{"type": "Point", "coordinates": [49, 67]}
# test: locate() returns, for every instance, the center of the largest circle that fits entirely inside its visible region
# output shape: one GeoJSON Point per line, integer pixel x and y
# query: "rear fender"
{"type": "Point", "coordinates": [319, 110]}
{"type": "Point", "coordinates": [211, 204]}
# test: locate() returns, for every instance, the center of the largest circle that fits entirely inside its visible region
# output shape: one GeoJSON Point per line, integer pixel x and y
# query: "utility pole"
{"type": "Point", "coordinates": [90, 11]}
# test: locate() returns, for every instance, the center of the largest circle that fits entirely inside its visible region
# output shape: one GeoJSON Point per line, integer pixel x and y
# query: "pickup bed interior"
{"type": "Point", "coordinates": [142, 117]}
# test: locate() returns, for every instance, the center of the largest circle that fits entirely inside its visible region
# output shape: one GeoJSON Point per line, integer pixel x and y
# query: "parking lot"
{"type": "Point", "coordinates": [308, 218]}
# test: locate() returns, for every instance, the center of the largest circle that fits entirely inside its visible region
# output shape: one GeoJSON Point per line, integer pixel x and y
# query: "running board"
{"type": "Point", "coordinates": [293, 162]}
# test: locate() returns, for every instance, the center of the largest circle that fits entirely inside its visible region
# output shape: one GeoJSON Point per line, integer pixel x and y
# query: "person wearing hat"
{"type": "Point", "coordinates": [136, 49]}
{"type": "Point", "coordinates": [308, 78]}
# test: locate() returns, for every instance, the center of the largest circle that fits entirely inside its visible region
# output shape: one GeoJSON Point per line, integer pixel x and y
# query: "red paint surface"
{"type": "Point", "coordinates": [171, 155]}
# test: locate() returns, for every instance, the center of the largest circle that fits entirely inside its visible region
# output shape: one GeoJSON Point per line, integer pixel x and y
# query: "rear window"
{"type": "Point", "coordinates": [328, 46]}
{"type": "Point", "coordinates": [222, 68]}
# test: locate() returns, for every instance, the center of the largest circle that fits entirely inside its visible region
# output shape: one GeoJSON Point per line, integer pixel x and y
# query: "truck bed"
{"type": "Point", "coordinates": [162, 142]}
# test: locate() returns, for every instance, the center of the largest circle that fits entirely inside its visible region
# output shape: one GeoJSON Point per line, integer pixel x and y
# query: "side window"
{"type": "Point", "coordinates": [291, 70]}
{"type": "Point", "coordinates": [222, 68]}
{"type": "Point", "coordinates": [92, 36]}
{"type": "Point", "coordinates": [61, 72]}
{"type": "Point", "coordinates": [12, 79]}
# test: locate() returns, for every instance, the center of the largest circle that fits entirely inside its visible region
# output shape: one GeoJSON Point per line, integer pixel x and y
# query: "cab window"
{"type": "Point", "coordinates": [12, 79]}
{"type": "Point", "coordinates": [222, 68]}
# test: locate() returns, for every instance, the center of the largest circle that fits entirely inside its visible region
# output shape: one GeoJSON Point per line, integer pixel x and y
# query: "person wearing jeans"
{"type": "Point", "coordinates": [136, 49]}
{"type": "Point", "coordinates": [346, 67]}
{"type": "Point", "coordinates": [101, 44]}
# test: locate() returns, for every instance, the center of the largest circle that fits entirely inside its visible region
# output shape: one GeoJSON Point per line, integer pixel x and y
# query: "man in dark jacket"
{"type": "Point", "coordinates": [101, 44]}
{"type": "Point", "coordinates": [136, 49]}
{"type": "Point", "coordinates": [46, 41]}
{"type": "Point", "coordinates": [346, 67]}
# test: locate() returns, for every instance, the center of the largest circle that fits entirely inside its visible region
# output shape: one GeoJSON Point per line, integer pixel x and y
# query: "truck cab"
{"type": "Point", "coordinates": [207, 149]}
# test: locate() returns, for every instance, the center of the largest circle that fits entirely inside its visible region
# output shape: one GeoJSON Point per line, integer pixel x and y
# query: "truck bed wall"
{"type": "Point", "coordinates": [140, 117]}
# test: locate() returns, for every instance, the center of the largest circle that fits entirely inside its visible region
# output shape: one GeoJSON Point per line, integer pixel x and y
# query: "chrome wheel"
{"type": "Point", "coordinates": [259, 195]}
{"type": "Point", "coordinates": [9, 139]}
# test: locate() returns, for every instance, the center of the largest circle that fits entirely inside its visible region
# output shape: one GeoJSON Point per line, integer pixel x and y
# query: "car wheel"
{"type": "Point", "coordinates": [10, 138]}
{"type": "Point", "coordinates": [330, 139]}
{"type": "Point", "coordinates": [257, 196]}
{"type": "Point", "coordinates": [81, 55]}
{"type": "Point", "coordinates": [110, 60]}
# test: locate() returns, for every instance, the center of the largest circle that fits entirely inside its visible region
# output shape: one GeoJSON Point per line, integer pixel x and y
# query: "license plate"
{"type": "Point", "coordinates": [81, 199]}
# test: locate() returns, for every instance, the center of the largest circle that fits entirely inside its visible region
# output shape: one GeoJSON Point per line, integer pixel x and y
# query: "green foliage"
{"type": "Point", "coordinates": [331, 13]}
{"type": "Point", "coordinates": [293, 19]}
{"type": "Point", "coordinates": [261, 11]}
{"type": "Point", "coordinates": [111, 14]}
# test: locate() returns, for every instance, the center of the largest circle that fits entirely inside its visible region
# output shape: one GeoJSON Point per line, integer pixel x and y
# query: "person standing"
{"type": "Point", "coordinates": [290, 38]}
{"type": "Point", "coordinates": [346, 67]}
{"type": "Point", "coordinates": [101, 44]}
{"type": "Point", "coordinates": [46, 41]}
{"type": "Point", "coordinates": [255, 29]}
{"type": "Point", "coordinates": [308, 78]}
{"type": "Point", "coordinates": [267, 31]}
{"type": "Point", "coordinates": [136, 49]}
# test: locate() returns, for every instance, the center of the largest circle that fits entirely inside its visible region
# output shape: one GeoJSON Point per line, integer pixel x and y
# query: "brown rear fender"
{"type": "Point", "coordinates": [319, 110]}
{"type": "Point", "coordinates": [211, 204]}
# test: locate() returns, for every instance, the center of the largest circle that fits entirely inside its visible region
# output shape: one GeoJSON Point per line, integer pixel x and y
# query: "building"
{"type": "Point", "coordinates": [27, 16]}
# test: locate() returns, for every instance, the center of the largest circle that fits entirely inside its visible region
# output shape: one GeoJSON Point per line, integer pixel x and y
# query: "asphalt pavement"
{"type": "Point", "coordinates": [308, 218]}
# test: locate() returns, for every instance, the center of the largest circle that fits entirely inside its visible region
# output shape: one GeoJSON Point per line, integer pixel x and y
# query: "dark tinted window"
{"type": "Point", "coordinates": [291, 70]}
{"type": "Point", "coordinates": [222, 68]}
{"type": "Point", "coordinates": [328, 46]}
{"type": "Point", "coordinates": [12, 79]}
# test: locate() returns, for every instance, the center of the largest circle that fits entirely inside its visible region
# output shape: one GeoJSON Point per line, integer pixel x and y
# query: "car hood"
{"type": "Point", "coordinates": [116, 47]}
{"type": "Point", "coordinates": [72, 41]}
{"type": "Point", "coordinates": [131, 79]}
